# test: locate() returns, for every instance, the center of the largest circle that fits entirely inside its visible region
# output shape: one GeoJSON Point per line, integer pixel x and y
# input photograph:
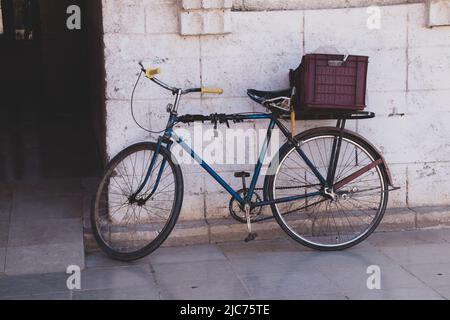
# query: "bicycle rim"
{"type": "Point", "coordinates": [130, 230]}
{"type": "Point", "coordinates": [322, 223]}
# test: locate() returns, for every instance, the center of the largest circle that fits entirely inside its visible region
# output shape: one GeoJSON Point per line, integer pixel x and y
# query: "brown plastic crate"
{"type": "Point", "coordinates": [328, 82]}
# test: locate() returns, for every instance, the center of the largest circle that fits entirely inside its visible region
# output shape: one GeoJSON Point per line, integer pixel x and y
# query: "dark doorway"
{"type": "Point", "coordinates": [51, 102]}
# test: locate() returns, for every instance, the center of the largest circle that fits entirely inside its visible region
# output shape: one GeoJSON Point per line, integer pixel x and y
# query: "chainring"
{"type": "Point", "coordinates": [238, 213]}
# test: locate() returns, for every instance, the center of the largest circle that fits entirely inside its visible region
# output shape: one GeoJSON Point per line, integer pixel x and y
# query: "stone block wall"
{"type": "Point", "coordinates": [408, 85]}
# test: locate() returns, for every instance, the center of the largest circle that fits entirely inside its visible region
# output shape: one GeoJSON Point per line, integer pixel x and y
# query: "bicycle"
{"type": "Point", "coordinates": [327, 187]}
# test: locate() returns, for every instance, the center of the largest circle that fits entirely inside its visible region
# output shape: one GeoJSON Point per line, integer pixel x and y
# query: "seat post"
{"type": "Point", "coordinates": [243, 175]}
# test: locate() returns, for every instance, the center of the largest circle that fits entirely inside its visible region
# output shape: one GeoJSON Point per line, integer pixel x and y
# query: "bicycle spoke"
{"type": "Point", "coordinates": [329, 222]}
{"type": "Point", "coordinates": [126, 226]}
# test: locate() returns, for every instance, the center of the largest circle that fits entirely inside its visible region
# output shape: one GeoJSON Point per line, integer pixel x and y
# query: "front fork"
{"type": "Point", "coordinates": [135, 197]}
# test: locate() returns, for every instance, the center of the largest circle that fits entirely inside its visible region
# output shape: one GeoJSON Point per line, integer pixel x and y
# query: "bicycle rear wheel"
{"type": "Point", "coordinates": [320, 222]}
{"type": "Point", "coordinates": [128, 229]}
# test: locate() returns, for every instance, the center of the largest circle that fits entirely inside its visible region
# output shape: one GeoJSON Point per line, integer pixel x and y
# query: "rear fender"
{"type": "Point", "coordinates": [309, 132]}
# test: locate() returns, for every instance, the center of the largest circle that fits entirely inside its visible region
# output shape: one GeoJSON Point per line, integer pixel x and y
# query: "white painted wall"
{"type": "Point", "coordinates": [409, 73]}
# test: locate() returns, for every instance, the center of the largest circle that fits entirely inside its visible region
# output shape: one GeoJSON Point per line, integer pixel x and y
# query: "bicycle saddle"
{"type": "Point", "coordinates": [262, 96]}
{"type": "Point", "coordinates": [279, 99]}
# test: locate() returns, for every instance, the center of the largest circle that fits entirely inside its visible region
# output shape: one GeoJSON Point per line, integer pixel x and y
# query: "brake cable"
{"type": "Point", "coordinates": [132, 110]}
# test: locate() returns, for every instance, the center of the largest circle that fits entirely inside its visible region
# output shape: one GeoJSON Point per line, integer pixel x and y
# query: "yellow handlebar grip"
{"type": "Point", "coordinates": [212, 90]}
{"type": "Point", "coordinates": [151, 73]}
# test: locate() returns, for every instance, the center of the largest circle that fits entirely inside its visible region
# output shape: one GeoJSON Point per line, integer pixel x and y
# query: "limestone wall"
{"type": "Point", "coordinates": [408, 85]}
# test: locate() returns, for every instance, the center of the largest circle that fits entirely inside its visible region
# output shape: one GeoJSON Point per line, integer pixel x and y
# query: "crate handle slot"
{"type": "Point", "coordinates": [338, 63]}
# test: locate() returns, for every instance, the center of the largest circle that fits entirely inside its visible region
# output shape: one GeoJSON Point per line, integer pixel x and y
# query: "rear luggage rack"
{"type": "Point", "coordinates": [329, 115]}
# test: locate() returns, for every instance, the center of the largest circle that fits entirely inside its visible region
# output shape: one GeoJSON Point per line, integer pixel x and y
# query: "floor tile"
{"type": "Point", "coordinates": [44, 258]}
{"type": "Point", "coordinates": [287, 284]}
{"type": "Point", "coordinates": [5, 208]}
{"type": "Point", "coordinates": [57, 296]}
{"type": "Point", "coordinates": [355, 278]}
{"type": "Point", "coordinates": [87, 208]}
{"type": "Point", "coordinates": [353, 258]}
{"type": "Point", "coordinates": [90, 185]}
{"type": "Point", "coordinates": [432, 274]}
{"type": "Point", "coordinates": [437, 253]}
{"type": "Point", "coordinates": [418, 293]}
{"type": "Point", "coordinates": [444, 233]}
{"type": "Point", "coordinates": [272, 263]}
{"type": "Point", "coordinates": [312, 296]}
{"type": "Point", "coordinates": [2, 259]}
{"type": "Point", "coordinates": [444, 291]}
{"type": "Point", "coordinates": [205, 271]}
{"type": "Point", "coordinates": [4, 232]}
{"type": "Point", "coordinates": [118, 277]}
{"type": "Point", "coordinates": [15, 286]}
{"type": "Point", "coordinates": [48, 187]}
{"type": "Point", "coordinates": [218, 289]}
{"type": "Point", "coordinates": [308, 261]}
{"type": "Point", "coordinates": [259, 247]}
{"type": "Point", "coordinates": [133, 293]}
{"type": "Point", "coordinates": [45, 231]}
{"type": "Point", "coordinates": [6, 190]}
{"type": "Point", "coordinates": [47, 207]}
{"type": "Point", "coordinates": [101, 260]}
{"type": "Point", "coordinates": [187, 254]}
{"type": "Point", "coordinates": [407, 238]}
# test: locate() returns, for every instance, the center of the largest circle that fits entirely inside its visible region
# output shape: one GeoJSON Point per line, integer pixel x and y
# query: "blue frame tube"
{"type": "Point", "coordinates": [259, 164]}
{"type": "Point", "coordinates": [302, 154]}
{"type": "Point", "coordinates": [169, 133]}
{"type": "Point", "coordinates": [286, 199]}
{"type": "Point", "coordinates": [205, 166]}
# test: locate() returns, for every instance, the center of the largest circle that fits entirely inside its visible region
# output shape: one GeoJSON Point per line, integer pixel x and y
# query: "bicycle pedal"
{"type": "Point", "coordinates": [251, 236]}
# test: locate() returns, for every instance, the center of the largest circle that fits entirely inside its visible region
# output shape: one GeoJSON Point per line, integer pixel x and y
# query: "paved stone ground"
{"type": "Point", "coordinates": [41, 227]}
{"type": "Point", "coordinates": [414, 265]}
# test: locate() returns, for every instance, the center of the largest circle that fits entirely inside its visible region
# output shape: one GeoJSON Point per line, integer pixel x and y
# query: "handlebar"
{"type": "Point", "coordinates": [150, 73]}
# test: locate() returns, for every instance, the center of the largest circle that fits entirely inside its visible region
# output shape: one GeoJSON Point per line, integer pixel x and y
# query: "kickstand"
{"type": "Point", "coordinates": [251, 235]}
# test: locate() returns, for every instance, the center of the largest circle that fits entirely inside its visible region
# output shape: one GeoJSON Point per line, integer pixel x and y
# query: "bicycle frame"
{"type": "Point", "coordinates": [273, 122]}
{"type": "Point", "coordinates": [170, 137]}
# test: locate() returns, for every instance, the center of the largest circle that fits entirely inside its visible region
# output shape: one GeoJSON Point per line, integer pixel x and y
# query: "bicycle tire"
{"type": "Point", "coordinates": [174, 214]}
{"type": "Point", "coordinates": [383, 175]}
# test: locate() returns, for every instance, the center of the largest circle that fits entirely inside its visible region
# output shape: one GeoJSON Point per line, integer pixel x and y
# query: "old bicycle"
{"type": "Point", "coordinates": [327, 187]}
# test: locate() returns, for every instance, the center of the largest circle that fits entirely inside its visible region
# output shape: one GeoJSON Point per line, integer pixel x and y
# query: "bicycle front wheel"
{"type": "Point", "coordinates": [320, 222]}
{"type": "Point", "coordinates": [127, 228]}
